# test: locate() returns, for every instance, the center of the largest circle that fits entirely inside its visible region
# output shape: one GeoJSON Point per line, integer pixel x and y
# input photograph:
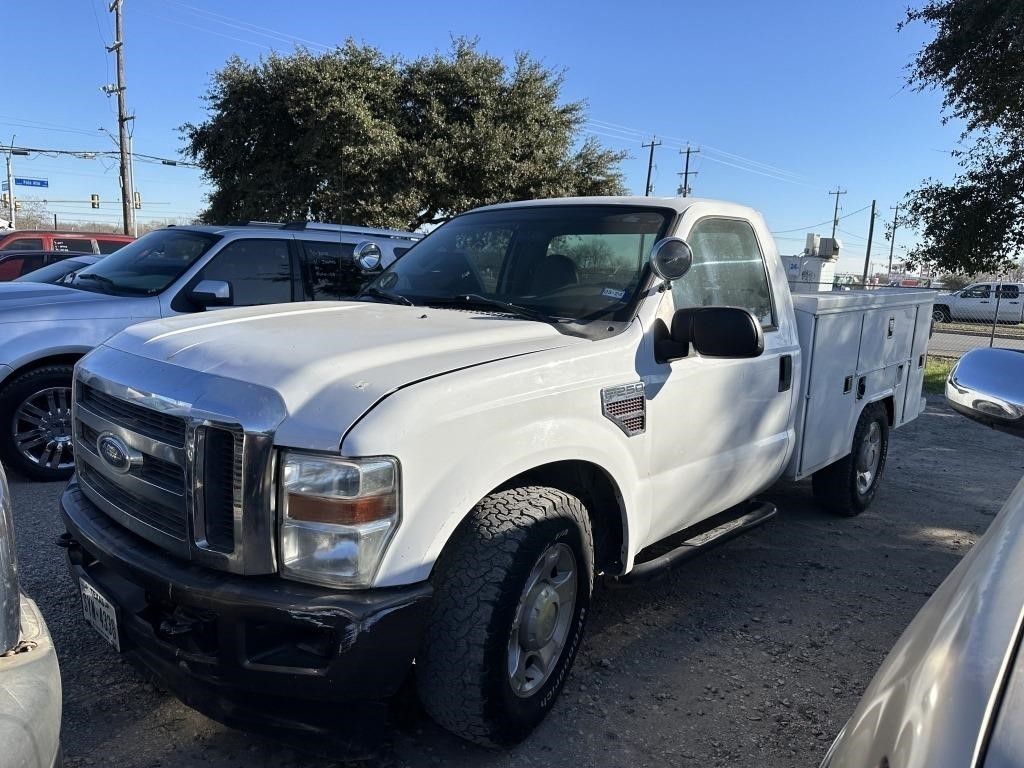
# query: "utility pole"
{"type": "Point", "coordinates": [685, 189]}
{"type": "Point", "coordinates": [10, 181]}
{"type": "Point", "coordinates": [124, 142]}
{"type": "Point", "coordinates": [892, 235]}
{"type": "Point", "coordinates": [835, 216]}
{"type": "Point", "coordinates": [871, 234]}
{"type": "Point", "coordinates": [650, 164]}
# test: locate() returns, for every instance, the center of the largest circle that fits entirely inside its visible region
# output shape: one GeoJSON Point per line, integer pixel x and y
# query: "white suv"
{"type": "Point", "coordinates": [44, 329]}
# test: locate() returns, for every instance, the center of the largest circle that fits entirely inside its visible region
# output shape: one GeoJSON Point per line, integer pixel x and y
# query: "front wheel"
{"type": "Point", "coordinates": [35, 423]}
{"type": "Point", "coordinates": [511, 596]}
{"type": "Point", "coordinates": [847, 487]}
{"type": "Point", "coordinates": [940, 314]}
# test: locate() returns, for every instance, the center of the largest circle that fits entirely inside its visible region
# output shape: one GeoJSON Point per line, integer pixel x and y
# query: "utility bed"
{"type": "Point", "coordinates": [857, 347]}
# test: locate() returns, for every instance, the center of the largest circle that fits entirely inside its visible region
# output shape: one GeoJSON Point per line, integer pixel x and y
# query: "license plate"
{"type": "Point", "coordinates": [100, 613]}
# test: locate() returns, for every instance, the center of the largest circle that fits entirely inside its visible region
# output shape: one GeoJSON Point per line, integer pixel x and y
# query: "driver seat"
{"type": "Point", "coordinates": [553, 272]}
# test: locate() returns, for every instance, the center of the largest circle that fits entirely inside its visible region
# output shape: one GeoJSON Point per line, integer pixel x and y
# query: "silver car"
{"type": "Point", "coordinates": [30, 704]}
{"type": "Point", "coordinates": [951, 692]}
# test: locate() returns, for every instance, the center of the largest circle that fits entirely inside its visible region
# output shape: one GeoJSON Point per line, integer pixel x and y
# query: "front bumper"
{"type": "Point", "coordinates": [30, 696]}
{"type": "Point", "coordinates": [250, 651]}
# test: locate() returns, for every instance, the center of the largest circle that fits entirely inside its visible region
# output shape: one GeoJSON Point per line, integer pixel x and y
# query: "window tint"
{"type": "Point", "coordinates": [17, 266]}
{"type": "Point", "coordinates": [977, 292]}
{"type": "Point", "coordinates": [109, 246]}
{"type": "Point", "coordinates": [329, 271]}
{"type": "Point", "coordinates": [260, 271]}
{"type": "Point", "coordinates": [728, 270]}
{"type": "Point", "coordinates": [1009, 291]}
{"type": "Point", "coordinates": [25, 244]}
{"type": "Point", "coordinates": [82, 245]}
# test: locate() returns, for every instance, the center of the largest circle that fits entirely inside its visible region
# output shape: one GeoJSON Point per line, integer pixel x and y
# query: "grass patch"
{"type": "Point", "coordinates": [936, 371]}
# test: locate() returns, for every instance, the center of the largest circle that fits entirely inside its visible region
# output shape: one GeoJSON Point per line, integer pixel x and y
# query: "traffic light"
{"type": "Point", "coordinates": [17, 204]}
{"type": "Point", "coordinates": [94, 201]}
{"type": "Point", "coordinates": [138, 200]}
{"type": "Point", "coordinates": [6, 200]}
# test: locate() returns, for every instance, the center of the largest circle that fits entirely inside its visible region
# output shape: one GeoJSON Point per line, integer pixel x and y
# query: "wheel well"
{"type": "Point", "coordinates": [599, 494]}
{"type": "Point", "coordinates": [68, 358]}
{"type": "Point", "coordinates": [890, 410]}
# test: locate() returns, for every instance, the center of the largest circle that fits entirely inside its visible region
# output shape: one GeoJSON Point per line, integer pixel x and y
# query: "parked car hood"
{"type": "Point", "coordinates": [330, 362]}
{"type": "Point", "coordinates": [931, 702]}
{"type": "Point", "coordinates": [40, 301]}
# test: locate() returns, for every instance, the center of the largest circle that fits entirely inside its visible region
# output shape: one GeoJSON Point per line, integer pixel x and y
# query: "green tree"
{"type": "Point", "coordinates": [975, 223]}
{"type": "Point", "coordinates": [354, 135]}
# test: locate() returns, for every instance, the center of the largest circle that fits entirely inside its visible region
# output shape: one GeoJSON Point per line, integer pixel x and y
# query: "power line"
{"type": "Point", "coordinates": [820, 223]}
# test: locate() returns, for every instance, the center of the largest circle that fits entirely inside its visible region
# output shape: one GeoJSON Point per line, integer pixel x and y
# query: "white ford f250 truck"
{"type": "Point", "coordinates": [294, 503]}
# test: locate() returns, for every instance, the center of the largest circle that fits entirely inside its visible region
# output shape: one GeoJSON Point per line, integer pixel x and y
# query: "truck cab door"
{"type": "Point", "coordinates": [975, 304]}
{"type": "Point", "coordinates": [1009, 306]}
{"type": "Point", "coordinates": [720, 429]}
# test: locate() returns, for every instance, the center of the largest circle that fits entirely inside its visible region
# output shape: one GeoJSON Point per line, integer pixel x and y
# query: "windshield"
{"type": "Point", "coordinates": [577, 263]}
{"type": "Point", "coordinates": [52, 272]}
{"type": "Point", "coordinates": [146, 266]}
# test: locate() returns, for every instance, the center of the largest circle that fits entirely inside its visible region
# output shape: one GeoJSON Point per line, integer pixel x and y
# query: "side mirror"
{"type": "Point", "coordinates": [212, 293]}
{"type": "Point", "coordinates": [671, 258]}
{"type": "Point", "coordinates": [368, 255]}
{"type": "Point", "coordinates": [713, 332]}
{"type": "Point", "coordinates": [987, 385]}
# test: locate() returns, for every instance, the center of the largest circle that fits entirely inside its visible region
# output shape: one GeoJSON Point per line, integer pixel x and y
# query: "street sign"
{"type": "Point", "coordinates": [24, 181]}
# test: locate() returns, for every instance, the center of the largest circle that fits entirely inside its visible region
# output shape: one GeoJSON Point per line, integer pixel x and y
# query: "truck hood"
{"type": "Point", "coordinates": [40, 301]}
{"type": "Point", "coordinates": [330, 362]}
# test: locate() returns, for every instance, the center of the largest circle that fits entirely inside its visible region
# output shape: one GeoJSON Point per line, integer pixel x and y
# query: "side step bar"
{"type": "Point", "coordinates": [751, 515]}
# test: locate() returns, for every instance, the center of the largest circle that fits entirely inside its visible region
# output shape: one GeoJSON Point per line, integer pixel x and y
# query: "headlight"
{"type": "Point", "coordinates": [337, 516]}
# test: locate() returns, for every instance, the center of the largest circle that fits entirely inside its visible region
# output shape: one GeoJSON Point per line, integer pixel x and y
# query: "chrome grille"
{"type": "Point", "coordinates": [154, 496]}
{"type": "Point", "coordinates": [166, 428]}
{"type": "Point", "coordinates": [167, 520]}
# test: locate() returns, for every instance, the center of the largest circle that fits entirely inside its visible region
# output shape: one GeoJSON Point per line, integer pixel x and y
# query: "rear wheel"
{"type": "Point", "coordinates": [35, 423]}
{"type": "Point", "coordinates": [847, 487]}
{"type": "Point", "coordinates": [511, 596]}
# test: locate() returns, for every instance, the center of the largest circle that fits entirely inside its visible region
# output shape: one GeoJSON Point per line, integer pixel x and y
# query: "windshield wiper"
{"type": "Point", "coordinates": [377, 293]}
{"type": "Point", "coordinates": [505, 306]}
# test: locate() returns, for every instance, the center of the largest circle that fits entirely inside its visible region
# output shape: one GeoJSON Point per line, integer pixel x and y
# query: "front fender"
{"type": "Point", "coordinates": [27, 342]}
{"type": "Point", "coordinates": [460, 437]}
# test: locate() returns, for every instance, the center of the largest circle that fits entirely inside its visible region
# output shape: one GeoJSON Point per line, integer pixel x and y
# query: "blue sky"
{"type": "Point", "coordinates": [786, 100]}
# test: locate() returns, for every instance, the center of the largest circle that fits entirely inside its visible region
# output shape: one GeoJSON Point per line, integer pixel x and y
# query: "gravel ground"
{"type": "Point", "coordinates": [754, 655]}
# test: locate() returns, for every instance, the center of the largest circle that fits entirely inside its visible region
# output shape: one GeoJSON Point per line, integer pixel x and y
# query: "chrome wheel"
{"type": "Point", "coordinates": [868, 457]}
{"type": "Point", "coordinates": [42, 428]}
{"type": "Point", "coordinates": [542, 620]}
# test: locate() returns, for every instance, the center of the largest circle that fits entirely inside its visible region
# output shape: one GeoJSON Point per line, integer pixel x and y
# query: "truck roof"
{"type": "Point", "coordinates": [677, 204]}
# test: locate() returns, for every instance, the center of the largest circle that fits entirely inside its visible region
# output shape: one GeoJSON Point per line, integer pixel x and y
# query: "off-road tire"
{"type": "Point", "coordinates": [835, 486]}
{"type": "Point", "coordinates": [12, 394]}
{"type": "Point", "coordinates": [462, 670]}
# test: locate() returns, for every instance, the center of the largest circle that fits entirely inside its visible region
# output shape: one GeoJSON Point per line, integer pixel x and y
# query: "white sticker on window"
{"type": "Point", "coordinates": [611, 293]}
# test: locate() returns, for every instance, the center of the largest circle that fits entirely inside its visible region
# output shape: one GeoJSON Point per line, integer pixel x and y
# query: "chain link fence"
{"type": "Point", "coordinates": [980, 315]}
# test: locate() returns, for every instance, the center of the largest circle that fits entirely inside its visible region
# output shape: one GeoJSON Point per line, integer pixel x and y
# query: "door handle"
{"type": "Point", "coordinates": [983, 301]}
{"type": "Point", "coordinates": [785, 372]}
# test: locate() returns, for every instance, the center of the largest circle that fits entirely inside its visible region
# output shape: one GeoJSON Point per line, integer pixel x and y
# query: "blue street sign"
{"type": "Point", "coordinates": [23, 181]}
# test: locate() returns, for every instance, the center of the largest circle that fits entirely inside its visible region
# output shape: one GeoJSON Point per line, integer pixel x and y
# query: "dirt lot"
{"type": "Point", "coordinates": [752, 656]}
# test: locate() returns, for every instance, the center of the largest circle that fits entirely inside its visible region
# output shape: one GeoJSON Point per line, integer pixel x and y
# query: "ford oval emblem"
{"type": "Point", "coordinates": [116, 454]}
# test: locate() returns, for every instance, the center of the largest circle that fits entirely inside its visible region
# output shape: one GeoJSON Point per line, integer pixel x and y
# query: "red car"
{"type": "Point", "coordinates": [54, 240]}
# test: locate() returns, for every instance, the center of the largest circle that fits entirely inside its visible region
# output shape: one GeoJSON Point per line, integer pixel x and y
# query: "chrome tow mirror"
{"type": "Point", "coordinates": [367, 255]}
{"type": "Point", "coordinates": [987, 385]}
{"type": "Point", "coordinates": [671, 258]}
